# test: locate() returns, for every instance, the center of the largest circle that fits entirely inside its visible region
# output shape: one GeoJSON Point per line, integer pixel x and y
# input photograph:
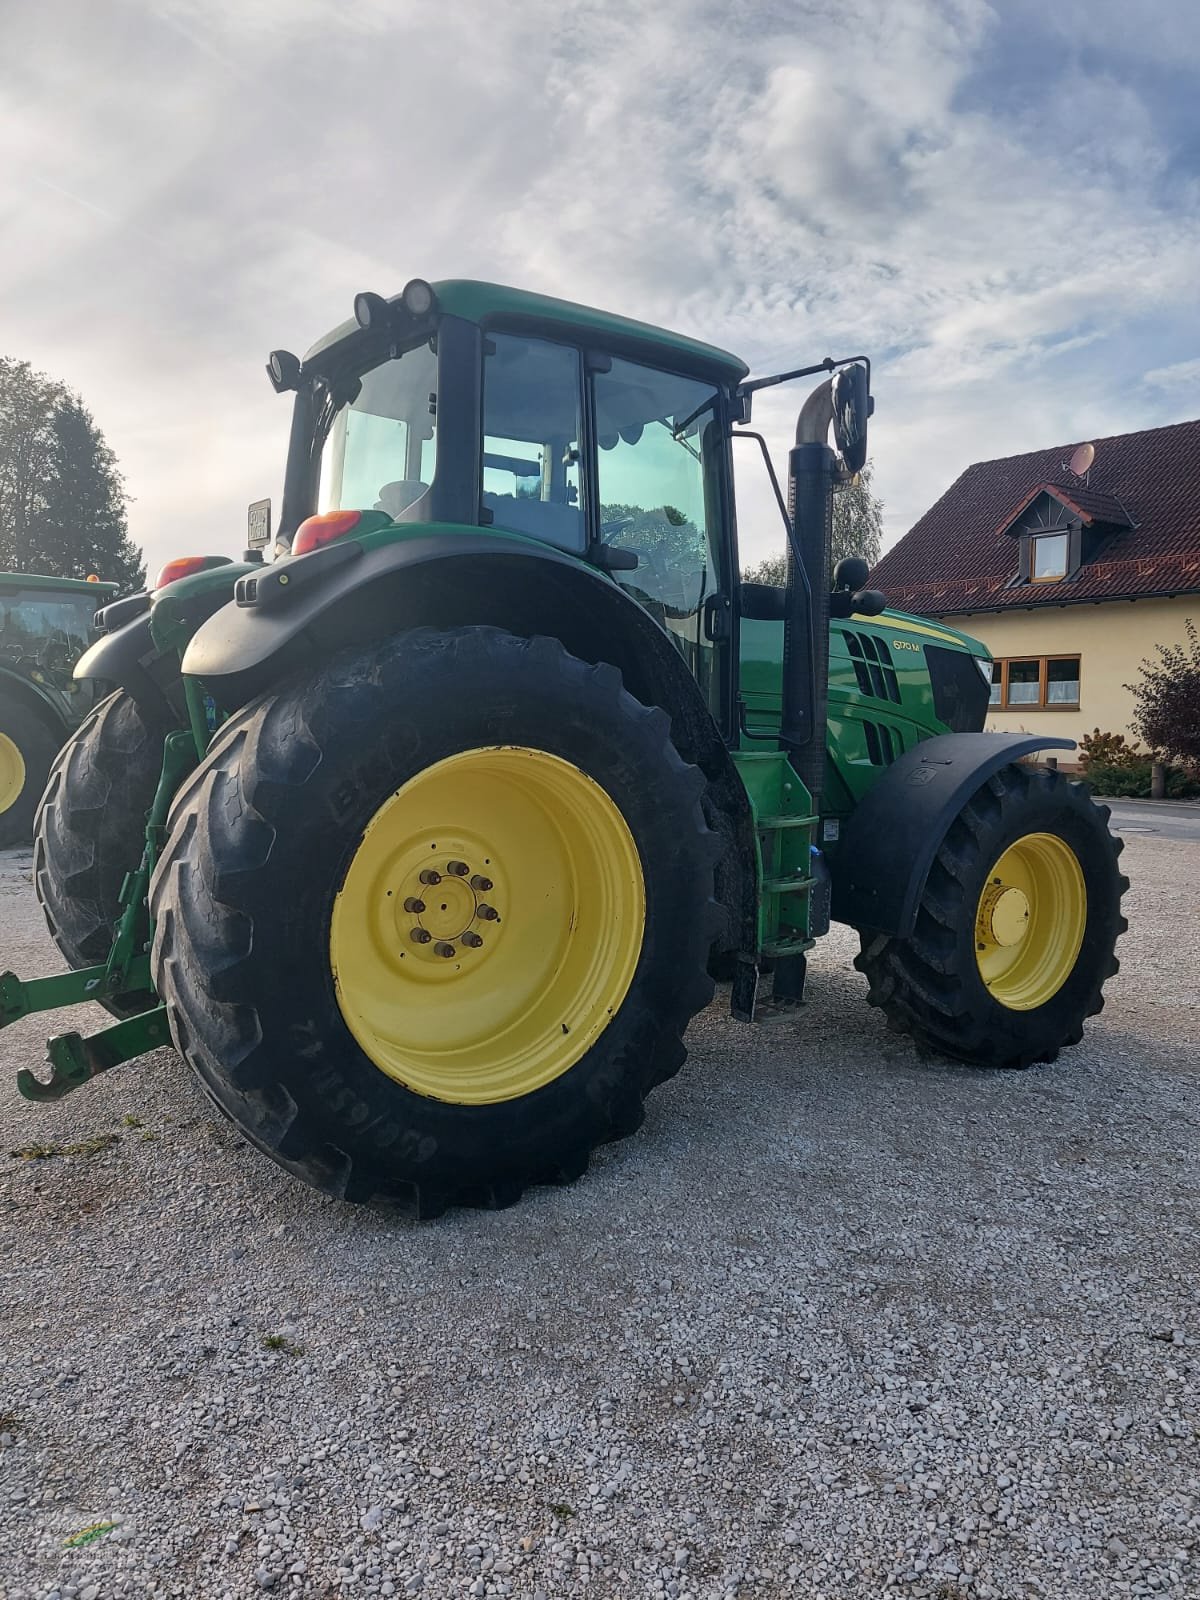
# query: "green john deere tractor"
{"type": "Point", "coordinates": [45, 626]}
{"type": "Point", "coordinates": [425, 840]}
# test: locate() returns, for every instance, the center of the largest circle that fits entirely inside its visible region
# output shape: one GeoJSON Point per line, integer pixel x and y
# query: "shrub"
{"type": "Point", "coordinates": [1131, 779]}
{"type": "Point", "coordinates": [1166, 699]}
{"type": "Point", "coordinates": [1109, 750]}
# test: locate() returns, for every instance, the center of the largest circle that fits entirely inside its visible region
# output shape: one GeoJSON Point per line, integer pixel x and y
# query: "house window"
{"type": "Point", "coordinates": [1048, 558]}
{"type": "Point", "coordinates": [1024, 683]}
{"type": "Point", "coordinates": [1036, 683]}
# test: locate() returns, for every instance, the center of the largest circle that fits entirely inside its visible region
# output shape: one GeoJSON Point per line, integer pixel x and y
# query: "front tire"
{"type": "Point", "coordinates": [422, 1044]}
{"type": "Point", "coordinates": [1016, 928]}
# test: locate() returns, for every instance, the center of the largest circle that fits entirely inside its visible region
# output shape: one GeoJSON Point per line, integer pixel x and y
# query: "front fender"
{"type": "Point", "coordinates": [888, 844]}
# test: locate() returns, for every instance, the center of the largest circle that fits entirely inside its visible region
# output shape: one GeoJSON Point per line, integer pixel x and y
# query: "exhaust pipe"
{"type": "Point", "coordinates": [812, 472]}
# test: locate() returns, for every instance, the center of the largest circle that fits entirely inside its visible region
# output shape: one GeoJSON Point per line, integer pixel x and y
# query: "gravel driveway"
{"type": "Point", "coordinates": [837, 1322]}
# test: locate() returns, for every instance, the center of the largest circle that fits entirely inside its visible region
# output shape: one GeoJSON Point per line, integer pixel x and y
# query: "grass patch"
{"type": "Point", "coordinates": [85, 1536]}
{"type": "Point", "coordinates": [133, 1122]}
{"type": "Point", "coordinates": [84, 1147]}
{"type": "Point", "coordinates": [276, 1341]}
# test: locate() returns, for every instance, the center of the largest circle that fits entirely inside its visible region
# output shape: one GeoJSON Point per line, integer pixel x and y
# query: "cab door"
{"type": "Point", "coordinates": [660, 479]}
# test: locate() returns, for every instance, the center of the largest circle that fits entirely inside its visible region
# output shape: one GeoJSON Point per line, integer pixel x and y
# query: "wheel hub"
{"type": "Point", "coordinates": [12, 772]}
{"type": "Point", "coordinates": [441, 910]}
{"type": "Point", "coordinates": [1030, 921]}
{"type": "Point", "coordinates": [1003, 916]}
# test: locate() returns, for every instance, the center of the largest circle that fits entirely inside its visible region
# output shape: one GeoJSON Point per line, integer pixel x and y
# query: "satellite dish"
{"type": "Point", "coordinates": [1082, 460]}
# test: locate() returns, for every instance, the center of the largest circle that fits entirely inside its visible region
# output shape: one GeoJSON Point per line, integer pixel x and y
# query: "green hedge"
{"type": "Point", "coordinates": [1131, 779]}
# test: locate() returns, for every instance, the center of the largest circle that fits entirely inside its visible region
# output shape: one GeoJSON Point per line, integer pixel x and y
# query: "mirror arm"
{"type": "Point", "coordinates": [745, 433]}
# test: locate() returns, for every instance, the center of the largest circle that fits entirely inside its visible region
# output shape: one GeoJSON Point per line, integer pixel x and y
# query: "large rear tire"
{"type": "Point", "coordinates": [91, 828]}
{"type": "Point", "coordinates": [1016, 929]}
{"type": "Point", "coordinates": [431, 921]}
{"type": "Point", "coordinates": [27, 748]}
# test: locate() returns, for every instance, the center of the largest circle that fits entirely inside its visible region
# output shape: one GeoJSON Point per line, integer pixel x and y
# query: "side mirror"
{"type": "Point", "coordinates": [851, 572]}
{"type": "Point", "coordinates": [852, 405]}
{"type": "Point", "coordinates": [857, 603]}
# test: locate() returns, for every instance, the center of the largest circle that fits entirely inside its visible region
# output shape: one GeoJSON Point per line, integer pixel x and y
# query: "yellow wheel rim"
{"type": "Point", "coordinates": [1030, 921]}
{"type": "Point", "coordinates": [12, 772]}
{"type": "Point", "coordinates": [489, 925]}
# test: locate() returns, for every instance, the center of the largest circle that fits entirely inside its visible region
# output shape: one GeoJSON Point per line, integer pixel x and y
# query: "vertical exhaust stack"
{"type": "Point", "coordinates": [813, 470]}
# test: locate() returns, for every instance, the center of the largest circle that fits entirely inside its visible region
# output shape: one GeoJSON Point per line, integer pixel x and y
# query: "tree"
{"type": "Point", "coordinates": [857, 531]}
{"type": "Point", "coordinates": [1166, 700]}
{"type": "Point", "coordinates": [62, 501]}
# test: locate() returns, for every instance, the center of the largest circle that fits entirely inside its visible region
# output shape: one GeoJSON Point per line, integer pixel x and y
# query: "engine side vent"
{"type": "Point", "coordinates": [884, 744]}
{"type": "Point", "coordinates": [873, 666]}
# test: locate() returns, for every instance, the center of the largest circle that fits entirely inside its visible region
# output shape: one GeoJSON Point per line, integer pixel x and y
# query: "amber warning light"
{"type": "Point", "coordinates": [313, 532]}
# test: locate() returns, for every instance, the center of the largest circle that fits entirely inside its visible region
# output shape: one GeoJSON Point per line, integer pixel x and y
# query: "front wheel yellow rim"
{"type": "Point", "coordinates": [12, 772]}
{"type": "Point", "coordinates": [489, 925]}
{"type": "Point", "coordinates": [1030, 921]}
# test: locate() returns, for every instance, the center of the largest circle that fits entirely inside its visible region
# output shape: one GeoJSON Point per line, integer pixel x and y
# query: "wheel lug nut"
{"type": "Point", "coordinates": [414, 905]}
{"type": "Point", "coordinates": [441, 948]}
{"type": "Point", "coordinates": [457, 869]}
{"type": "Point", "coordinates": [420, 936]}
{"type": "Point", "coordinates": [488, 913]}
{"type": "Point", "coordinates": [480, 884]}
{"type": "Point", "coordinates": [430, 876]}
{"type": "Point", "coordinates": [471, 940]}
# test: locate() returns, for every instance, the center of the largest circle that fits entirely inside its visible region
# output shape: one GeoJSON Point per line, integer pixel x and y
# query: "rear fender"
{"type": "Point", "coordinates": [889, 842]}
{"type": "Point", "coordinates": [142, 656]}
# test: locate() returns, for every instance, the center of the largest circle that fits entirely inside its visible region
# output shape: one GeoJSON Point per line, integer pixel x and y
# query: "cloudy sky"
{"type": "Point", "coordinates": [998, 202]}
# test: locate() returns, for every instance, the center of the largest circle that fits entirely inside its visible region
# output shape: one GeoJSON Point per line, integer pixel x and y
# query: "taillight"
{"type": "Point", "coordinates": [313, 532]}
{"type": "Point", "coordinates": [185, 566]}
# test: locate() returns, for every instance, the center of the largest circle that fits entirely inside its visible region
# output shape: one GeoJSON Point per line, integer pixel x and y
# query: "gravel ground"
{"type": "Point", "coordinates": [836, 1322]}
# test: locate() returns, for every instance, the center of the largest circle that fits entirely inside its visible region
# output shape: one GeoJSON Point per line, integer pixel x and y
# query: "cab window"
{"type": "Point", "coordinates": [659, 448]}
{"type": "Point", "coordinates": [531, 430]}
{"type": "Point", "coordinates": [380, 451]}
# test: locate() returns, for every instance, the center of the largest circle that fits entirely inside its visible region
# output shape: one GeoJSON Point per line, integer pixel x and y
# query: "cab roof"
{"type": "Point", "coordinates": [488, 303]}
{"type": "Point", "coordinates": [40, 580]}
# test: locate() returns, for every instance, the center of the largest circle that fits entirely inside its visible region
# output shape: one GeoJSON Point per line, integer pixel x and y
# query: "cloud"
{"type": "Point", "coordinates": [1179, 375]}
{"type": "Point", "coordinates": [1006, 217]}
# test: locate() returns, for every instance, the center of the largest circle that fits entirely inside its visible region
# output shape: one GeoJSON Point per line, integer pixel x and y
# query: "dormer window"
{"type": "Point", "coordinates": [1058, 528]}
{"type": "Point", "coordinates": [1048, 557]}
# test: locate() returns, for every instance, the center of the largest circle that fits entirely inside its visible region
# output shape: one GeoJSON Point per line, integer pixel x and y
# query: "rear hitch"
{"type": "Point", "coordinates": [76, 1058]}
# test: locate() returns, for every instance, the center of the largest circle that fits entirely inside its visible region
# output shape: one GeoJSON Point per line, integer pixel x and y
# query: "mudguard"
{"type": "Point", "coordinates": [141, 652]}
{"type": "Point", "coordinates": [887, 846]}
{"type": "Point", "coordinates": [130, 659]}
{"type": "Point", "coordinates": [287, 613]}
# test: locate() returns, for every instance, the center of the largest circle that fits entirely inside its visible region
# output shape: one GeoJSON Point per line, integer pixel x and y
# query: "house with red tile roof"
{"type": "Point", "coordinates": [1069, 577]}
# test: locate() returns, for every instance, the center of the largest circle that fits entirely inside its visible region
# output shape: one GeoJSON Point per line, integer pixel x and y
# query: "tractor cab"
{"type": "Point", "coordinates": [491, 408]}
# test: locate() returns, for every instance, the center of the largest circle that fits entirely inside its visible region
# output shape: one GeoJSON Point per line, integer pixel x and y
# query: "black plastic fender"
{"type": "Point", "coordinates": [130, 659]}
{"type": "Point", "coordinates": [888, 844]}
